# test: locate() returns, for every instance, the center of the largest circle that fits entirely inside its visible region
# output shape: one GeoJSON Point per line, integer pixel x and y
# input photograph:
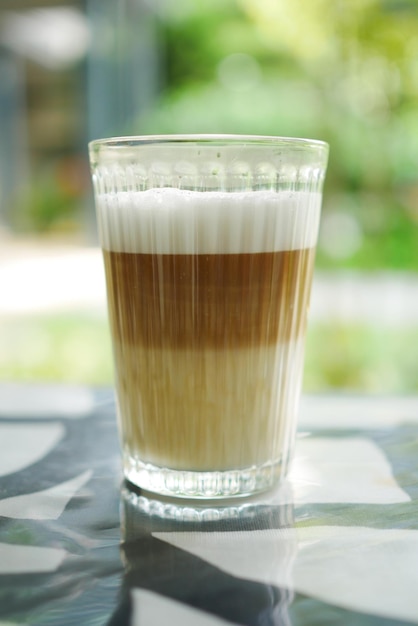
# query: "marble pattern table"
{"type": "Point", "coordinates": [336, 544]}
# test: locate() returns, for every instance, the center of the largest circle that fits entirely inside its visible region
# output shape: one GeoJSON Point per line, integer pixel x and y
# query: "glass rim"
{"type": "Point", "coordinates": [232, 139]}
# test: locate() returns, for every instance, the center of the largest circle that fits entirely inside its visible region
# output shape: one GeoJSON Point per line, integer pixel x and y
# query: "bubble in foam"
{"type": "Point", "coordinates": [175, 221]}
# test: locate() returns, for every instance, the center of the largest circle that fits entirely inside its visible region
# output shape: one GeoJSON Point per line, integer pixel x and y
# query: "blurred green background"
{"type": "Point", "coordinates": [342, 71]}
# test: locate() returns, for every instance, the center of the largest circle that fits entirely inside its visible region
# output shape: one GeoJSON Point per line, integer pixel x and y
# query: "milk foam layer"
{"type": "Point", "coordinates": [174, 221]}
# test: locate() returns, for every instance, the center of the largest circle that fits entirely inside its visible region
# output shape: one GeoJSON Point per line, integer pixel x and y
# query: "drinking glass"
{"type": "Point", "coordinates": [208, 245]}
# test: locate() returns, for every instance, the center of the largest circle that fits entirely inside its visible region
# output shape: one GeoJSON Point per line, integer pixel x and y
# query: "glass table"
{"type": "Point", "coordinates": [336, 544]}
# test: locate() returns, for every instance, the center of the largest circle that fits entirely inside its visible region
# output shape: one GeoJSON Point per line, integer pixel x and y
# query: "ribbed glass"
{"type": "Point", "coordinates": [209, 246]}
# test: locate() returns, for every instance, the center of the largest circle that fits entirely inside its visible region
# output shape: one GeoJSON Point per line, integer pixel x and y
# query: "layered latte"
{"type": "Point", "coordinates": [208, 295]}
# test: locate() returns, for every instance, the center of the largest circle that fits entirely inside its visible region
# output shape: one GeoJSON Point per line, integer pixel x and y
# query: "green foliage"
{"type": "Point", "coordinates": [73, 349]}
{"type": "Point", "coordinates": [52, 201]}
{"type": "Point", "coordinates": [387, 234]}
{"type": "Point", "coordinates": [343, 72]}
{"type": "Point", "coordinates": [192, 47]}
{"type": "Point", "coordinates": [43, 207]}
{"type": "Point", "coordinates": [359, 357]}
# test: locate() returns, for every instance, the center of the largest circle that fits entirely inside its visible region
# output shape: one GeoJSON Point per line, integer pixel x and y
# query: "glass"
{"type": "Point", "coordinates": [208, 245]}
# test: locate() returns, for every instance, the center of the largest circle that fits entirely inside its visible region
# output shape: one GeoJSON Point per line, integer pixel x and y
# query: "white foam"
{"type": "Point", "coordinates": [174, 221]}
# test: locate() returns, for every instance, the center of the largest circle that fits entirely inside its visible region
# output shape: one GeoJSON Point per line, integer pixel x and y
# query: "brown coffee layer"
{"type": "Point", "coordinates": [215, 301]}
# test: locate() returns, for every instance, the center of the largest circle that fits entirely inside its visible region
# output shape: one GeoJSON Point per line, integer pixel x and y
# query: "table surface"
{"type": "Point", "coordinates": [336, 544]}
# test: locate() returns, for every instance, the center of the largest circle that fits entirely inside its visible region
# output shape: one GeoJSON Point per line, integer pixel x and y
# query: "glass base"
{"type": "Point", "coordinates": [202, 485]}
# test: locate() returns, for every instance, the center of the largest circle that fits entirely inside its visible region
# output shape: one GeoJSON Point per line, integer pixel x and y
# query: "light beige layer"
{"type": "Point", "coordinates": [211, 410]}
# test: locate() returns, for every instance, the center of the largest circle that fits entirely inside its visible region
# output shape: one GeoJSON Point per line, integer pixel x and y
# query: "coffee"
{"type": "Point", "coordinates": [204, 301]}
{"type": "Point", "coordinates": [208, 294]}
